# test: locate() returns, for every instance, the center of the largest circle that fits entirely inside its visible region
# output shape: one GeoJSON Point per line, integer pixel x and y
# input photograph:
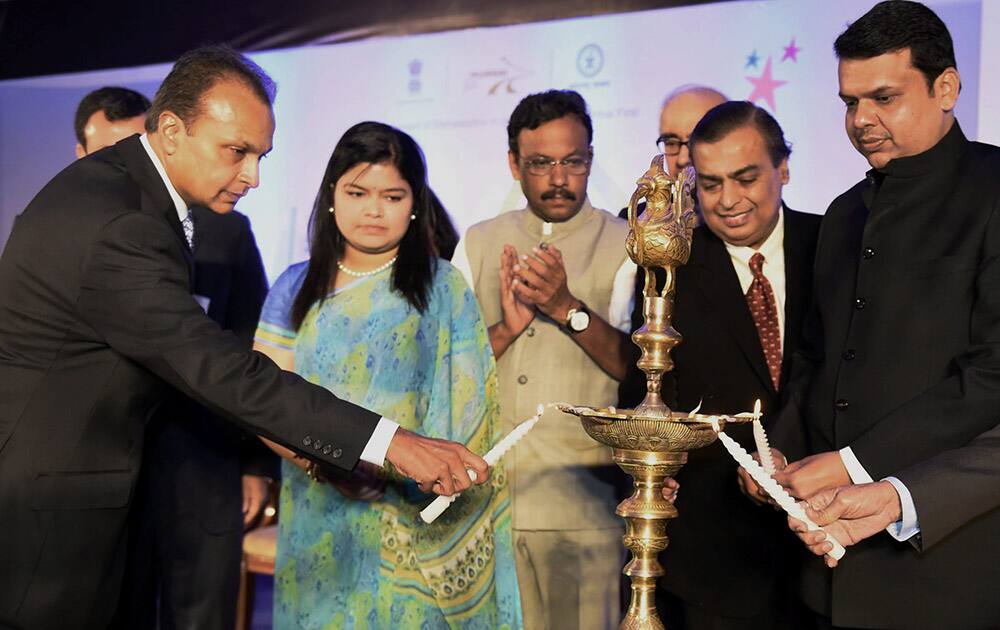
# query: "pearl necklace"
{"type": "Point", "coordinates": [365, 274]}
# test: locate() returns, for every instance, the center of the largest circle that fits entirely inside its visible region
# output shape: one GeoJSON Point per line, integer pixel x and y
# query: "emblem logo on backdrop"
{"type": "Point", "coordinates": [415, 85]}
{"type": "Point", "coordinates": [588, 64]}
{"type": "Point", "coordinates": [590, 61]}
{"type": "Point", "coordinates": [419, 82]}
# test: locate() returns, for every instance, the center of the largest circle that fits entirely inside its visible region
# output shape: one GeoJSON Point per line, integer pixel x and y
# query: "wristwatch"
{"type": "Point", "coordinates": [577, 319]}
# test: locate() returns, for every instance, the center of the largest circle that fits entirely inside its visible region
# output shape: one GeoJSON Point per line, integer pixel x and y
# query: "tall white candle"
{"type": "Point", "coordinates": [440, 504]}
{"type": "Point", "coordinates": [785, 500]}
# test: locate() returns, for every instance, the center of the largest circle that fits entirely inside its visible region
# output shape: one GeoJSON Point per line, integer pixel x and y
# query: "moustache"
{"type": "Point", "coordinates": [558, 192]}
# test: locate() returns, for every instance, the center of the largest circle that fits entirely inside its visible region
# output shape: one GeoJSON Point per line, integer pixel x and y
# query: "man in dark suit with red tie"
{"type": "Point", "coordinates": [739, 305]}
{"type": "Point", "coordinates": [97, 320]}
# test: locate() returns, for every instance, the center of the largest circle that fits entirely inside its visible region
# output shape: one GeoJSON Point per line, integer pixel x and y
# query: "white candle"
{"type": "Point", "coordinates": [785, 500]}
{"type": "Point", "coordinates": [440, 504]}
{"type": "Point", "coordinates": [760, 438]}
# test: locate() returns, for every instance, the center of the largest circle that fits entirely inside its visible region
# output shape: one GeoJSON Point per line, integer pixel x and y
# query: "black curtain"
{"type": "Point", "coordinates": [39, 37]}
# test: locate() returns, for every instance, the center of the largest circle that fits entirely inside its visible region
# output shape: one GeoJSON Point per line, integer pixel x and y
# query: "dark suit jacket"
{"type": "Point", "coordinates": [203, 455]}
{"type": "Point", "coordinates": [96, 321]}
{"type": "Point", "coordinates": [901, 362]}
{"type": "Point", "coordinates": [726, 554]}
{"type": "Point", "coordinates": [186, 525]}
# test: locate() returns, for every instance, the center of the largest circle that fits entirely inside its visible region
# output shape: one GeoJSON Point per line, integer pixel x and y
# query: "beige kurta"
{"type": "Point", "coordinates": [560, 479]}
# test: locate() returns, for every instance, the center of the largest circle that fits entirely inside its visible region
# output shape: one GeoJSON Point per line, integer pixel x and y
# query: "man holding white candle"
{"type": "Point", "coordinates": [733, 353]}
{"type": "Point", "coordinates": [902, 380]}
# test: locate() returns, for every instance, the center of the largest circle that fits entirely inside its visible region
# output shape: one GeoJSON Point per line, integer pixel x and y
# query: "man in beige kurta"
{"type": "Point", "coordinates": [555, 286]}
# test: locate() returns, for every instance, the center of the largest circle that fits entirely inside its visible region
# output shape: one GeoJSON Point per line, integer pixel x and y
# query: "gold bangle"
{"type": "Point", "coordinates": [312, 471]}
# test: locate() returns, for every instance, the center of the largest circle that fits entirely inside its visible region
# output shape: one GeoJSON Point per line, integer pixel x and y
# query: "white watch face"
{"type": "Point", "coordinates": [579, 321]}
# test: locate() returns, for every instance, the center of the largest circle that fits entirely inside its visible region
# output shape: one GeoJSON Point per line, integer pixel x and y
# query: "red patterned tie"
{"type": "Point", "coordinates": [764, 311]}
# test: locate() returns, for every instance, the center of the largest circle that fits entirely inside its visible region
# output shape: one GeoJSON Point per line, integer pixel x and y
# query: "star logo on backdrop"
{"type": "Point", "coordinates": [764, 86]}
{"type": "Point", "coordinates": [752, 60]}
{"type": "Point", "coordinates": [791, 52]}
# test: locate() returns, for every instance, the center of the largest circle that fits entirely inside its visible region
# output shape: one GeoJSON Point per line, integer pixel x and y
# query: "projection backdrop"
{"type": "Point", "coordinates": [454, 92]}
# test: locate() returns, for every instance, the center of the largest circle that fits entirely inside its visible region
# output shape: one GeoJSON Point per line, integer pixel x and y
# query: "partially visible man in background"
{"type": "Point", "coordinates": [202, 480]}
{"type": "Point", "coordinates": [106, 116]}
{"type": "Point", "coordinates": [681, 111]}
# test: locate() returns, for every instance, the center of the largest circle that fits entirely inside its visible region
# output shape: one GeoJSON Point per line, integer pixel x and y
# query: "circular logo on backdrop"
{"type": "Point", "coordinates": [590, 60]}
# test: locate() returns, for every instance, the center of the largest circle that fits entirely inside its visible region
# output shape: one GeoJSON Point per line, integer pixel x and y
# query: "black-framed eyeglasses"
{"type": "Point", "coordinates": [544, 166]}
{"type": "Point", "coordinates": [671, 145]}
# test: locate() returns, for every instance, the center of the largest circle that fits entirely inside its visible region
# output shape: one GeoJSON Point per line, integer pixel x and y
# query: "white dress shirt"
{"type": "Point", "coordinates": [378, 444]}
{"type": "Point", "coordinates": [908, 525]}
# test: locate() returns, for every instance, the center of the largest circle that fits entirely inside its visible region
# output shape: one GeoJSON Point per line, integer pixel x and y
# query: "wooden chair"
{"type": "Point", "coordinates": [259, 550]}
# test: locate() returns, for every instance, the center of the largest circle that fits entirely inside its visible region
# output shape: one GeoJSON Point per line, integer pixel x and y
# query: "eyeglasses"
{"type": "Point", "coordinates": [671, 145]}
{"type": "Point", "coordinates": [544, 166]}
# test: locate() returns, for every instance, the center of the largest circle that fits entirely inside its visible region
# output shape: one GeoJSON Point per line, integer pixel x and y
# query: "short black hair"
{"type": "Point", "coordinates": [895, 25]}
{"type": "Point", "coordinates": [727, 117]}
{"type": "Point", "coordinates": [117, 103]}
{"type": "Point", "coordinates": [535, 110]}
{"type": "Point", "coordinates": [196, 72]}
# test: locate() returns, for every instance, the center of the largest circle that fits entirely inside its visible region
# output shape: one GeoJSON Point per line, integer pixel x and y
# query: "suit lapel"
{"type": "Point", "coordinates": [721, 287]}
{"type": "Point", "coordinates": [156, 200]}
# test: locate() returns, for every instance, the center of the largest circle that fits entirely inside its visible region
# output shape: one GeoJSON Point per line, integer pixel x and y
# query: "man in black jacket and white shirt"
{"type": "Point", "coordinates": [899, 384]}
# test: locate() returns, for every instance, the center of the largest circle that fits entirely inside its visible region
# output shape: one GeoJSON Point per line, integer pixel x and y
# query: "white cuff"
{"type": "Point", "coordinates": [378, 443]}
{"type": "Point", "coordinates": [902, 529]}
{"type": "Point", "coordinates": [623, 297]}
{"type": "Point", "coordinates": [907, 526]}
{"type": "Point", "coordinates": [854, 468]}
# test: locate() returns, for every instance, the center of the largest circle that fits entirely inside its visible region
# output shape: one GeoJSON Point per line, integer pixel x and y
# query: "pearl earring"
{"type": "Point", "coordinates": [331, 209]}
{"type": "Point", "coordinates": [413, 217]}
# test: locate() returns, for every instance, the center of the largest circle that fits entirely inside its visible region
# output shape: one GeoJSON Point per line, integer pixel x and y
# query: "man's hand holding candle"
{"type": "Point", "coordinates": [436, 465]}
{"type": "Point", "coordinates": [750, 488]}
{"type": "Point", "coordinates": [850, 514]}
{"type": "Point", "coordinates": [810, 475]}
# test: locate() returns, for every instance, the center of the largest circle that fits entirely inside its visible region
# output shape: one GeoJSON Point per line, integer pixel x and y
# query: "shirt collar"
{"type": "Point", "coordinates": [536, 226]}
{"type": "Point", "coordinates": [182, 208]}
{"type": "Point", "coordinates": [770, 248]}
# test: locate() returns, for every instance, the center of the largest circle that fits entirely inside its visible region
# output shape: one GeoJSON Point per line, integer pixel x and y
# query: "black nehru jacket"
{"type": "Point", "coordinates": [901, 362]}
